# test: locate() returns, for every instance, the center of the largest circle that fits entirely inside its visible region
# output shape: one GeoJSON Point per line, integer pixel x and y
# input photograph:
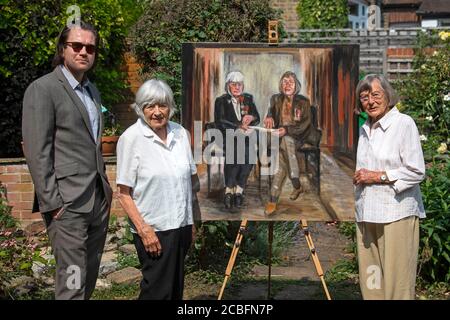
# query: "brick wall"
{"type": "Point", "coordinates": [400, 52]}
{"type": "Point", "coordinates": [289, 16]}
{"type": "Point", "coordinates": [15, 176]}
{"type": "Point", "coordinates": [125, 114]}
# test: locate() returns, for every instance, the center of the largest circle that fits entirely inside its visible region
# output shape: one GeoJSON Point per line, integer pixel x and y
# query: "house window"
{"type": "Point", "coordinates": [356, 25]}
{"type": "Point", "coordinates": [363, 25]}
{"type": "Point", "coordinates": [353, 9]}
{"type": "Point", "coordinates": [363, 10]}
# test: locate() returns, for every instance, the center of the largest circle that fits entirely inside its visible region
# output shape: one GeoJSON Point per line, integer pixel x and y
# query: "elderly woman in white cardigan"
{"type": "Point", "coordinates": [154, 171]}
{"type": "Point", "coordinates": [389, 169]}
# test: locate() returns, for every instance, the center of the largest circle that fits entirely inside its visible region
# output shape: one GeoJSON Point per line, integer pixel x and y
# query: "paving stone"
{"type": "Point", "coordinates": [128, 249]}
{"type": "Point", "coordinates": [128, 275]}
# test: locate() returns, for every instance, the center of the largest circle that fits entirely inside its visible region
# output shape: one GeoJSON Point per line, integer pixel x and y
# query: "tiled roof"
{"type": "Point", "coordinates": [434, 7]}
{"type": "Point", "coordinates": [402, 2]}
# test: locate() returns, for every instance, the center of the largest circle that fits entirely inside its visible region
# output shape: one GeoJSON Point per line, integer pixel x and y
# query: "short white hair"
{"type": "Point", "coordinates": [151, 92]}
{"type": "Point", "coordinates": [234, 76]}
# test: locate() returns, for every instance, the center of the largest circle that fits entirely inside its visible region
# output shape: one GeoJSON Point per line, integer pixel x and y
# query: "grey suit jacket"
{"type": "Point", "coordinates": [62, 155]}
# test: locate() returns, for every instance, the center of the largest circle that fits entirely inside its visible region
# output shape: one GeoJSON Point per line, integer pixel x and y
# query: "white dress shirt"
{"type": "Point", "coordinates": [82, 90]}
{"type": "Point", "coordinates": [158, 173]}
{"type": "Point", "coordinates": [392, 145]}
{"type": "Point", "coordinates": [237, 107]}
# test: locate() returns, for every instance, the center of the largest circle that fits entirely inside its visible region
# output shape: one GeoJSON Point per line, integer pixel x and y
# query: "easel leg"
{"type": "Point", "coordinates": [314, 256]}
{"type": "Point", "coordinates": [270, 237]}
{"type": "Point", "coordinates": [233, 256]}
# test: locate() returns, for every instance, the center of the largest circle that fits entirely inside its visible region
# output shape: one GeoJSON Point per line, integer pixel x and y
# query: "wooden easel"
{"type": "Point", "coordinates": [273, 40]}
{"type": "Point", "coordinates": [237, 244]}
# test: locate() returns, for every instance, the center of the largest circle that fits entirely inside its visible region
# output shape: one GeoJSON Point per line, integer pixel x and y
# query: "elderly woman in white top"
{"type": "Point", "coordinates": [389, 169]}
{"type": "Point", "coordinates": [154, 169]}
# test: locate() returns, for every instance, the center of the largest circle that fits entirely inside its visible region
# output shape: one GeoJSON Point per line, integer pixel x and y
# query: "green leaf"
{"type": "Point", "coordinates": [25, 266]}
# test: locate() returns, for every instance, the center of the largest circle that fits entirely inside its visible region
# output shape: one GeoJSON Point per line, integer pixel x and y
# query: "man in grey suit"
{"type": "Point", "coordinates": [62, 128]}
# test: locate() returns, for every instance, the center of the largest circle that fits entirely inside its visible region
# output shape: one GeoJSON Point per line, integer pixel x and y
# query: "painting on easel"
{"type": "Point", "coordinates": [272, 128]}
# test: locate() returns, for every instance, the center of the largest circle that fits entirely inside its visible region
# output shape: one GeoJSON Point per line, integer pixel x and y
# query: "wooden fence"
{"type": "Point", "coordinates": [377, 47]}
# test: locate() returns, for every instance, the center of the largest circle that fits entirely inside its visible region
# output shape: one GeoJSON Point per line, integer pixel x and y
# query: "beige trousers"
{"type": "Point", "coordinates": [287, 166]}
{"type": "Point", "coordinates": [387, 258]}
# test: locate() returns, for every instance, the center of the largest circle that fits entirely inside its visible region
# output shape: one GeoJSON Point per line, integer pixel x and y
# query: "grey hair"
{"type": "Point", "coordinates": [365, 84]}
{"type": "Point", "coordinates": [234, 76]}
{"type": "Point", "coordinates": [288, 74]}
{"type": "Point", "coordinates": [154, 91]}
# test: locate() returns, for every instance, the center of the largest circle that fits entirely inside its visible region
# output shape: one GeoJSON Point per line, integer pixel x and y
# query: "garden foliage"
{"type": "Point", "coordinates": [29, 30]}
{"type": "Point", "coordinates": [426, 97]}
{"type": "Point", "coordinates": [322, 14]}
{"type": "Point", "coordinates": [17, 250]}
{"type": "Point", "coordinates": [166, 24]}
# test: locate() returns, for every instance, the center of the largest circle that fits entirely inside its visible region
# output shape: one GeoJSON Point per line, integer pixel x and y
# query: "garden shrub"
{"type": "Point", "coordinates": [29, 30]}
{"type": "Point", "coordinates": [215, 241]}
{"type": "Point", "coordinates": [257, 240]}
{"type": "Point", "coordinates": [17, 251]}
{"type": "Point", "coordinates": [434, 263]}
{"type": "Point", "coordinates": [426, 97]}
{"type": "Point", "coordinates": [322, 14]}
{"type": "Point", "coordinates": [426, 93]}
{"type": "Point", "coordinates": [212, 246]}
{"type": "Point", "coordinates": [166, 24]}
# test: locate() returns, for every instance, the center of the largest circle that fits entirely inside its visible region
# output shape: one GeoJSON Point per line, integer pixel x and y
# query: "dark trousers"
{"type": "Point", "coordinates": [163, 276]}
{"type": "Point", "coordinates": [78, 240]}
{"type": "Point", "coordinates": [235, 170]}
{"type": "Point", "coordinates": [236, 174]}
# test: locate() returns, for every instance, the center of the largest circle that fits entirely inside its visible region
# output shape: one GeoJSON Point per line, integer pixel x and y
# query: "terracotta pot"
{"type": "Point", "coordinates": [109, 145]}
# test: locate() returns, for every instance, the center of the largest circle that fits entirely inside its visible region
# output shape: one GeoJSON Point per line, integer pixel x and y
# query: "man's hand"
{"type": "Point", "coordinates": [57, 213]}
{"type": "Point", "coordinates": [150, 240]}
{"type": "Point", "coordinates": [269, 123]}
{"type": "Point", "coordinates": [364, 176]}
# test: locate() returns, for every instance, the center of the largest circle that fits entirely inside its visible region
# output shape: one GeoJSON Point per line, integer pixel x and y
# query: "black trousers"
{"type": "Point", "coordinates": [163, 277]}
{"type": "Point", "coordinates": [236, 174]}
{"type": "Point", "coordinates": [235, 170]}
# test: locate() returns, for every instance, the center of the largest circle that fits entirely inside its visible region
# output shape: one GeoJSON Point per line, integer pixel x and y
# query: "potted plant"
{"type": "Point", "coordinates": [111, 133]}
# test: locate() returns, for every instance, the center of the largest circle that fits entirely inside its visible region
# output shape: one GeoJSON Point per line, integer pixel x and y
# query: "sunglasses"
{"type": "Point", "coordinates": [78, 46]}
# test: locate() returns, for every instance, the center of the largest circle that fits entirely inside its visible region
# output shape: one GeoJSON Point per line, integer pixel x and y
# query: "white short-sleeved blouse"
{"type": "Point", "coordinates": [158, 173]}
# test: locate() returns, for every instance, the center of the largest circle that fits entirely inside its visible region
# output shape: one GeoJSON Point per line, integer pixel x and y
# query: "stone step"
{"type": "Point", "coordinates": [128, 275]}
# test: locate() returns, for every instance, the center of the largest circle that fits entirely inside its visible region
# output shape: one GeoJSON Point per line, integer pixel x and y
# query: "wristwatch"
{"type": "Point", "coordinates": [383, 178]}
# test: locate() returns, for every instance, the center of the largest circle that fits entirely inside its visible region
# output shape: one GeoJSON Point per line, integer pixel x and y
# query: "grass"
{"type": "Point", "coordinates": [117, 292]}
{"type": "Point", "coordinates": [127, 260]}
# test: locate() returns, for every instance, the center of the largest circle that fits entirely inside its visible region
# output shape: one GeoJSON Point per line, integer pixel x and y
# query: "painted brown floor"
{"type": "Point", "coordinates": [336, 201]}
